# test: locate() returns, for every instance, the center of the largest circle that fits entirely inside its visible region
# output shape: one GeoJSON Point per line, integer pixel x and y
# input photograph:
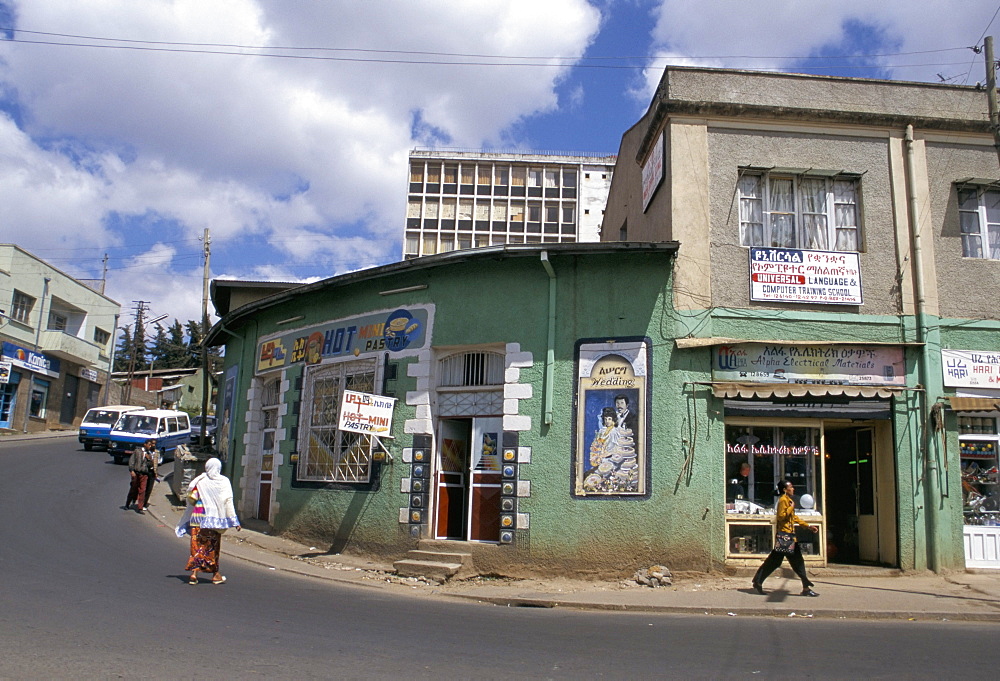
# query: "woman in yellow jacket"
{"type": "Point", "coordinates": [786, 520]}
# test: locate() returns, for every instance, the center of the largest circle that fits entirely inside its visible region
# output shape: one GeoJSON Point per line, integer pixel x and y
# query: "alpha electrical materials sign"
{"type": "Point", "coordinates": [971, 368]}
{"type": "Point", "coordinates": [788, 275]}
{"type": "Point", "coordinates": [366, 413]}
{"type": "Point", "coordinates": [830, 364]}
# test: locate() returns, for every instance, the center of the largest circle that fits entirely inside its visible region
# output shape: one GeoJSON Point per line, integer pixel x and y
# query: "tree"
{"type": "Point", "coordinates": [169, 350]}
{"type": "Point", "coordinates": [131, 348]}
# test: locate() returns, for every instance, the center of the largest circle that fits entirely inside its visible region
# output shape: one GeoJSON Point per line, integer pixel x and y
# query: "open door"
{"type": "Point", "coordinates": [485, 473]}
{"type": "Point", "coordinates": [453, 462]}
{"type": "Point", "coordinates": [468, 479]}
{"type": "Point", "coordinates": [852, 489]}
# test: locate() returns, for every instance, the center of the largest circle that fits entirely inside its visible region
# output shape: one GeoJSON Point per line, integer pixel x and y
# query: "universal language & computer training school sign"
{"type": "Point", "coordinates": [789, 275]}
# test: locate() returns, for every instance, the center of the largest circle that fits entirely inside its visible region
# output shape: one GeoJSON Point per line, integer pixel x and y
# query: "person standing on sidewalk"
{"type": "Point", "coordinates": [210, 512]}
{"type": "Point", "coordinates": [784, 543]}
{"type": "Point", "coordinates": [142, 469]}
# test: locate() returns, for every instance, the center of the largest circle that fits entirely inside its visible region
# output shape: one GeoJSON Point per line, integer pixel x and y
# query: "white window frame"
{"type": "Point", "coordinates": [831, 223]}
{"type": "Point", "coordinates": [327, 454]}
{"type": "Point", "coordinates": [979, 221]}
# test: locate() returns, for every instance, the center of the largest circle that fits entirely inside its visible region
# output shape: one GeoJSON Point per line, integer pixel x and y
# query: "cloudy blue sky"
{"type": "Point", "coordinates": [283, 126]}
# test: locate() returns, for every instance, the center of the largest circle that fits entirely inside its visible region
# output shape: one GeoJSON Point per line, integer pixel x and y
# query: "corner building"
{"type": "Point", "coordinates": [834, 306]}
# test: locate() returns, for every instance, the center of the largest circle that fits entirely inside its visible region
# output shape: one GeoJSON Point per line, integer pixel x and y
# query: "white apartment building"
{"type": "Point", "coordinates": [56, 339]}
{"type": "Point", "coordinates": [470, 199]}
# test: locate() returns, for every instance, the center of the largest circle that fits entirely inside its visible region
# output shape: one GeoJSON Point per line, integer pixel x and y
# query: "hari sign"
{"type": "Point", "coordinates": [971, 368]}
{"type": "Point", "coordinates": [788, 275]}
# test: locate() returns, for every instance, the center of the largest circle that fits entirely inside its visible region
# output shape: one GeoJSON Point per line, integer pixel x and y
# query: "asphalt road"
{"type": "Point", "coordinates": [90, 591]}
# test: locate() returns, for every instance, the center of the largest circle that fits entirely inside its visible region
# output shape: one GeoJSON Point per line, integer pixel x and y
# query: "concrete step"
{"type": "Point", "coordinates": [439, 556]}
{"type": "Point", "coordinates": [439, 572]}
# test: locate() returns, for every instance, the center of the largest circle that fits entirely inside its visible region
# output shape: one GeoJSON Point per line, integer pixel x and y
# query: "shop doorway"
{"type": "Point", "coordinates": [860, 496]}
{"type": "Point", "coordinates": [468, 479]}
{"type": "Point", "coordinates": [71, 384]}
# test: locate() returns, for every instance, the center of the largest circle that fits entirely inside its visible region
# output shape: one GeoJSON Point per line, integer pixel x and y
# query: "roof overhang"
{"type": "Point", "coordinates": [748, 390]}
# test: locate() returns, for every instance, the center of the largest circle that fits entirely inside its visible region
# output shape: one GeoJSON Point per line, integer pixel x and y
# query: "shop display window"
{"type": "Point", "coordinates": [758, 457]}
{"type": "Point", "coordinates": [978, 444]}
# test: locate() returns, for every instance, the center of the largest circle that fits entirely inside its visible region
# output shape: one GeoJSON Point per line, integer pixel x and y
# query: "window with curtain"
{"type": "Point", "coordinates": [484, 174]}
{"type": "Point", "coordinates": [534, 178]}
{"type": "Point", "coordinates": [517, 176]}
{"type": "Point", "coordinates": [21, 307]}
{"type": "Point", "coordinates": [328, 454]}
{"type": "Point", "coordinates": [979, 218]}
{"type": "Point", "coordinates": [433, 173]}
{"type": "Point", "coordinates": [416, 172]}
{"type": "Point", "coordinates": [450, 174]}
{"type": "Point", "coordinates": [810, 212]}
{"type": "Point", "coordinates": [500, 176]}
{"type": "Point", "coordinates": [466, 174]}
{"type": "Point", "coordinates": [551, 178]}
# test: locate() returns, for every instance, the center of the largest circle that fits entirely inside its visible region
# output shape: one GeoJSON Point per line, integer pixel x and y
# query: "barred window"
{"type": "Point", "coordinates": [472, 369]}
{"type": "Point", "coordinates": [328, 454]}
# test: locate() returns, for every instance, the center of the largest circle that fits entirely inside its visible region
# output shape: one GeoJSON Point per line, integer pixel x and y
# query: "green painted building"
{"type": "Point", "coordinates": [797, 280]}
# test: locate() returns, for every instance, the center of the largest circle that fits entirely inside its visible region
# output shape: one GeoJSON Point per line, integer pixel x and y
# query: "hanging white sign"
{"type": "Point", "coordinates": [366, 413]}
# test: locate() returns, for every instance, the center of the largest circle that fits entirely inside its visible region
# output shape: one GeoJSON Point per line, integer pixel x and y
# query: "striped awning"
{"type": "Point", "coordinates": [975, 403]}
{"type": "Point", "coordinates": [748, 390]}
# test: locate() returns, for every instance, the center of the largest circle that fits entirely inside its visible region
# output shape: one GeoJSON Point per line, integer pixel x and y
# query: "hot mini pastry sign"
{"type": "Point", "coordinates": [795, 276]}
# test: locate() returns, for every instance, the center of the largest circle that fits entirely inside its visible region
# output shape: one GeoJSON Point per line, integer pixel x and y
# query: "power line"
{"type": "Point", "coordinates": [455, 58]}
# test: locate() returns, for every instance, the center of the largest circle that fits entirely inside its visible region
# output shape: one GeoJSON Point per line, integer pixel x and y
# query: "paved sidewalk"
{"type": "Point", "coordinates": [844, 593]}
{"type": "Point", "coordinates": [847, 594]}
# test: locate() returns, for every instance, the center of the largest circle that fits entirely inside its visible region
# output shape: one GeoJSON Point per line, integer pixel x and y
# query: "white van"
{"type": "Point", "coordinates": [168, 427]}
{"type": "Point", "coordinates": [97, 424]}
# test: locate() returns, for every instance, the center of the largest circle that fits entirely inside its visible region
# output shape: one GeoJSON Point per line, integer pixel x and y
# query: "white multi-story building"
{"type": "Point", "coordinates": [56, 338]}
{"type": "Point", "coordinates": [470, 199]}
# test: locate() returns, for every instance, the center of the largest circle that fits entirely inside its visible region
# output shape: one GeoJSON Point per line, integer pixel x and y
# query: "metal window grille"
{"type": "Point", "coordinates": [328, 454]}
{"type": "Point", "coordinates": [472, 369]}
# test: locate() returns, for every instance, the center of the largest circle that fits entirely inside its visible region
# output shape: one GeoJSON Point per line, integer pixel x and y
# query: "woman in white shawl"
{"type": "Point", "coordinates": [210, 512]}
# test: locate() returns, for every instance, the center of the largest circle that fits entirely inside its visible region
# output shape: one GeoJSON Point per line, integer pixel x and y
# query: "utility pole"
{"type": "Point", "coordinates": [104, 273]}
{"type": "Point", "coordinates": [991, 93]}
{"type": "Point", "coordinates": [205, 383]}
{"type": "Point", "coordinates": [138, 338]}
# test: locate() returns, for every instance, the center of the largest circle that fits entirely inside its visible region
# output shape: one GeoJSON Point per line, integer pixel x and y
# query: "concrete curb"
{"type": "Point", "coordinates": [812, 613]}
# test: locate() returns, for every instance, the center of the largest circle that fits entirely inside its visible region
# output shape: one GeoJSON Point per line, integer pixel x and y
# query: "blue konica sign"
{"type": "Point", "coordinates": [32, 361]}
{"type": "Point", "coordinates": [400, 331]}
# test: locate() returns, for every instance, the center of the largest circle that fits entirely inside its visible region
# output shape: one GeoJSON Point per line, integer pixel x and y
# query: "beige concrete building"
{"type": "Point", "coordinates": [463, 200]}
{"type": "Point", "coordinates": [57, 336]}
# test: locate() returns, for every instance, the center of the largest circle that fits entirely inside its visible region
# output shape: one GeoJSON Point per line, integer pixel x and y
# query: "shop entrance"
{"type": "Point", "coordinates": [468, 479]}
{"type": "Point", "coordinates": [8, 399]}
{"type": "Point", "coordinates": [860, 497]}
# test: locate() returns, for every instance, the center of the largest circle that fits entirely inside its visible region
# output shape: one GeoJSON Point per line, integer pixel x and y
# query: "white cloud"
{"type": "Point", "coordinates": [303, 159]}
{"type": "Point", "coordinates": [737, 34]}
